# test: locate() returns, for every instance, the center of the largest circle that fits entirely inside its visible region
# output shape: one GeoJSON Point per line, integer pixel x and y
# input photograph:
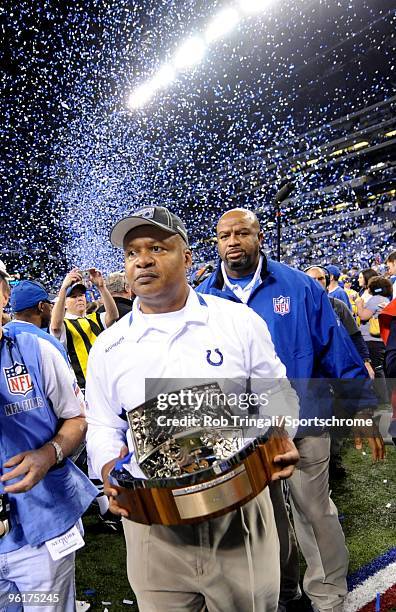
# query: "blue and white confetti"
{"type": "Point", "coordinates": [262, 105]}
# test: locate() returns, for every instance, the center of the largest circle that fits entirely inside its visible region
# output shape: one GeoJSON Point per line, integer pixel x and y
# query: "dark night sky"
{"type": "Point", "coordinates": [73, 158]}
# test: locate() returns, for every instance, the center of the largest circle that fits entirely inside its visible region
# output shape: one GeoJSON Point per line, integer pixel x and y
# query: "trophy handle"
{"type": "Point", "coordinates": [274, 445]}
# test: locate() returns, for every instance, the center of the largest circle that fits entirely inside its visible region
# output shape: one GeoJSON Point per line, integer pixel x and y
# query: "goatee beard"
{"type": "Point", "coordinates": [241, 264]}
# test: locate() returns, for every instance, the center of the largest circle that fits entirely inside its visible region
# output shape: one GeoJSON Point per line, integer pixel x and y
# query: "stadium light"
{"type": "Point", "coordinates": [223, 23]}
{"type": "Point", "coordinates": [338, 152]}
{"type": "Point", "coordinates": [140, 96]}
{"type": "Point", "coordinates": [354, 147]}
{"type": "Point", "coordinates": [358, 145]}
{"type": "Point", "coordinates": [190, 53]}
{"type": "Point", "coordinates": [164, 76]}
{"type": "Point", "coordinates": [193, 50]}
{"type": "Point", "coordinates": [253, 6]}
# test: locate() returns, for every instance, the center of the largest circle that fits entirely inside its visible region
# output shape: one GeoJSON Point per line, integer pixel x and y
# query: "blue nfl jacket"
{"type": "Point", "coordinates": [27, 422]}
{"type": "Point", "coordinates": [308, 337]}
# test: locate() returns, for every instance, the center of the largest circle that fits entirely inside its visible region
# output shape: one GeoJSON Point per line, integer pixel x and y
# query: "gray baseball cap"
{"type": "Point", "coordinates": [158, 216]}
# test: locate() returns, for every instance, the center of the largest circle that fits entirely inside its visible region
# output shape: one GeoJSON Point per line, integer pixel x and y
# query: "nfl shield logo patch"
{"type": "Point", "coordinates": [18, 379]}
{"type": "Point", "coordinates": [146, 213]}
{"type": "Point", "coordinates": [281, 305]}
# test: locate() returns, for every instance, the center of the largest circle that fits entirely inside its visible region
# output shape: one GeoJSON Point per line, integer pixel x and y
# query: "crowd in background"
{"type": "Point", "coordinates": [365, 291]}
{"type": "Point", "coordinates": [87, 303]}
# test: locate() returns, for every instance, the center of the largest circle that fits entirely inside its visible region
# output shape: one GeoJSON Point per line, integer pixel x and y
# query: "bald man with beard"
{"type": "Point", "coordinates": [311, 344]}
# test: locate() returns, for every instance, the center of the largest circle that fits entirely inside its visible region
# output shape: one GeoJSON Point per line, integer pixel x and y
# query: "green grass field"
{"type": "Point", "coordinates": [361, 498]}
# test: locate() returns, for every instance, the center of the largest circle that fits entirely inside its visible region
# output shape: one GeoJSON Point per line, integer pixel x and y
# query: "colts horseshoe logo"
{"type": "Point", "coordinates": [219, 360]}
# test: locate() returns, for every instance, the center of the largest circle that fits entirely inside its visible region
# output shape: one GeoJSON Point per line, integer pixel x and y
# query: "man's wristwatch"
{"type": "Point", "coordinates": [58, 451]}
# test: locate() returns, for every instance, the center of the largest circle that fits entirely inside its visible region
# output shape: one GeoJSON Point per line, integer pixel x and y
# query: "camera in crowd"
{"type": "Point", "coordinates": [85, 274]}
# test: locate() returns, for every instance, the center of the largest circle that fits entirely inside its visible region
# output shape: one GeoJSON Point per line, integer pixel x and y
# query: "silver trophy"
{"type": "Point", "coordinates": [193, 460]}
{"type": "Point", "coordinates": [187, 437]}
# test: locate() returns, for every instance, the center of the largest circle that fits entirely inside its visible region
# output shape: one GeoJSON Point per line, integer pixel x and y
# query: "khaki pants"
{"type": "Point", "coordinates": [289, 557]}
{"type": "Point", "coordinates": [317, 527]}
{"type": "Point", "coordinates": [227, 564]}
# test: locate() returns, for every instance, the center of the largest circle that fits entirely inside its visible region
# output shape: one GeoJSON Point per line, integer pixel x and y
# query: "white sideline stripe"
{"type": "Point", "coordinates": [366, 592]}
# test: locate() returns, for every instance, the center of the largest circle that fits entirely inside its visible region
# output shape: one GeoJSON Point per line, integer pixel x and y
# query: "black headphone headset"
{"type": "Point", "coordinates": [325, 270]}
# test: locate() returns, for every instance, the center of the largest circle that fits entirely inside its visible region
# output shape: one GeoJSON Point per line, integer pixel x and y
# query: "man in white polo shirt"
{"type": "Point", "coordinates": [230, 562]}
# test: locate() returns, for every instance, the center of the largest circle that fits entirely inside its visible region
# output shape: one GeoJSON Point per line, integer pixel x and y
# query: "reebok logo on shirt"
{"type": "Point", "coordinates": [108, 348]}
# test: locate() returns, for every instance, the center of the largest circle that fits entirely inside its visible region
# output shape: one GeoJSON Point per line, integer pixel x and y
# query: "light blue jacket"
{"type": "Point", "coordinates": [27, 422]}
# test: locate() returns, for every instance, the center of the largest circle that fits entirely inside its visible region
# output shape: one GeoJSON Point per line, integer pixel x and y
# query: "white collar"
{"type": "Point", "coordinates": [69, 315]}
{"type": "Point", "coordinates": [193, 312]}
{"type": "Point", "coordinates": [242, 292]}
{"type": "Point", "coordinates": [26, 322]}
